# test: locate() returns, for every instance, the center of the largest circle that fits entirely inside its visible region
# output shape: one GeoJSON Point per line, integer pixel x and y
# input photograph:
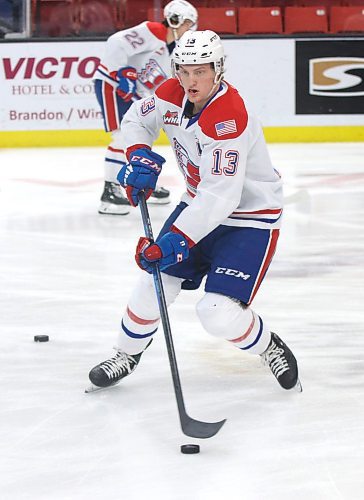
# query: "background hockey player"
{"type": "Point", "coordinates": [136, 62]}
{"type": "Point", "coordinates": [225, 228]}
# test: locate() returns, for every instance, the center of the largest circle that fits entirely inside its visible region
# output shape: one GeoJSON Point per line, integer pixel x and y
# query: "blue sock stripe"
{"type": "Point", "coordinates": [136, 335]}
{"type": "Point", "coordinates": [257, 338]}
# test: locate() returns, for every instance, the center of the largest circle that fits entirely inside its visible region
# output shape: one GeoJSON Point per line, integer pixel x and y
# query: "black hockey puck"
{"type": "Point", "coordinates": [41, 338]}
{"type": "Point", "coordinates": [190, 449]}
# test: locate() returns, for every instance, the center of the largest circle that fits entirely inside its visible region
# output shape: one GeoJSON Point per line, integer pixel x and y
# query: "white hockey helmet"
{"type": "Point", "coordinates": [177, 11]}
{"type": "Point", "coordinates": [199, 47]}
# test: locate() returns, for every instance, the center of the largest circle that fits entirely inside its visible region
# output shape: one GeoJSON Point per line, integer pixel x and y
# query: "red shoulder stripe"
{"type": "Point", "coordinates": [226, 117]}
{"type": "Point", "coordinates": [158, 30]}
{"type": "Point", "coordinates": [171, 91]}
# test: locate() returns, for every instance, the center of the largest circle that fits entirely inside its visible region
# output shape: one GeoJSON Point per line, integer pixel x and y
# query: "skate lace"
{"type": "Point", "coordinates": [274, 357]}
{"type": "Point", "coordinates": [115, 366]}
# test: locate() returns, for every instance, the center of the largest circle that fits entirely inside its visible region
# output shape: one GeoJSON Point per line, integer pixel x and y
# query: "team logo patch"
{"type": "Point", "coordinates": [190, 171]}
{"type": "Point", "coordinates": [227, 127]}
{"type": "Point", "coordinates": [152, 75]}
{"type": "Point", "coordinates": [147, 106]}
{"type": "Point", "coordinates": [170, 118]}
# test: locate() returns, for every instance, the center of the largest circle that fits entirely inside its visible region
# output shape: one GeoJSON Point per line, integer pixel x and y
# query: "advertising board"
{"type": "Point", "coordinates": [301, 89]}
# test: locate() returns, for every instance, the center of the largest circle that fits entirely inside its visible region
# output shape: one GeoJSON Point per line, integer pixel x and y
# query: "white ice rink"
{"type": "Point", "coordinates": [67, 272]}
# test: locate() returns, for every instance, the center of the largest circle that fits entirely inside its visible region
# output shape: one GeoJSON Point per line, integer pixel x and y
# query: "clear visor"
{"type": "Point", "coordinates": [177, 20]}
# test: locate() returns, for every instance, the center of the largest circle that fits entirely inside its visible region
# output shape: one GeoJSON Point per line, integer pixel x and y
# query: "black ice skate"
{"type": "Point", "coordinates": [111, 371]}
{"type": "Point", "coordinates": [282, 363]}
{"type": "Point", "coordinates": [113, 201]}
{"type": "Point", "coordinates": [160, 196]}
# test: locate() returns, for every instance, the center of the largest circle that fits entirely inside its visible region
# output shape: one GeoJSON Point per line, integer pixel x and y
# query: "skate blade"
{"type": "Point", "coordinates": [91, 388]}
{"type": "Point", "coordinates": [111, 209]}
{"type": "Point", "coordinates": [298, 386]}
{"type": "Point", "coordinates": [94, 388]}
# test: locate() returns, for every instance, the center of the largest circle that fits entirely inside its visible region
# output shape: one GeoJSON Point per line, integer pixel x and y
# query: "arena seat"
{"type": "Point", "coordinates": [218, 19]}
{"type": "Point", "coordinates": [305, 20]}
{"type": "Point", "coordinates": [259, 20]}
{"type": "Point", "coordinates": [134, 12]}
{"type": "Point", "coordinates": [55, 18]}
{"type": "Point", "coordinates": [155, 14]}
{"type": "Point", "coordinates": [347, 19]}
{"type": "Point", "coordinates": [227, 3]}
{"type": "Point", "coordinates": [272, 3]}
{"type": "Point", "coordinates": [352, 3]}
{"type": "Point", "coordinates": [317, 3]}
{"type": "Point", "coordinates": [98, 17]}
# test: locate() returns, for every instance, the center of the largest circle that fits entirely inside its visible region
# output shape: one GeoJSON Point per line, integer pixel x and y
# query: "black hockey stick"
{"type": "Point", "coordinates": [190, 426]}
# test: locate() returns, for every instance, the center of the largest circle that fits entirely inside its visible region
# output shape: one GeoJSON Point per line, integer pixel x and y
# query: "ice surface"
{"type": "Point", "coordinates": [67, 271]}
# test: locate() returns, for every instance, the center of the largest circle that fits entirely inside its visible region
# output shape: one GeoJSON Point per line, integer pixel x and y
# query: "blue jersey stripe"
{"type": "Point", "coordinates": [268, 221]}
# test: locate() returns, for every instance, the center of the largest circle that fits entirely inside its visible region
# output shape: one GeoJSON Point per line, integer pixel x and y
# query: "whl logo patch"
{"type": "Point", "coordinates": [232, 272]}
{"type": "Point", "coordinates": [170, 118]}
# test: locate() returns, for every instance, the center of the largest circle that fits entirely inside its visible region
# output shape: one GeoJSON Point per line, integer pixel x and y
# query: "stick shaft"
{"type": "Point", "coordinates": [163, 311]}
{"type": "Point", "coordinates": [190, 426]}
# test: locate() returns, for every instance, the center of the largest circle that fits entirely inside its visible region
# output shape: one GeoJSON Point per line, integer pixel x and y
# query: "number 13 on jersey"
{"type": "Point", "coordinates": [226, 165]}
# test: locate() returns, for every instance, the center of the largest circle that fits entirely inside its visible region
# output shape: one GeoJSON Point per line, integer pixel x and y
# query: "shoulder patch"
{"type": "Point", "coordinates": [225, 118]}
{"type": "Point", "coordinates": [158, 30]}
{"type": "Point", "coordinates": [171, 91]}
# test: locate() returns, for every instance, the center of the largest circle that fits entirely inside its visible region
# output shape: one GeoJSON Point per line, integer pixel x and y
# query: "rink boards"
{"type": "Point", "coordinates": [302, 90]}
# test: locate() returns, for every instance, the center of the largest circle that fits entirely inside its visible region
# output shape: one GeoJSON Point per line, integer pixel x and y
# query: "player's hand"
{"type": "Point", "coordinates": [127, 78]}
{"type": "Point", "coordinates": [170, 249]}
{"type": "Point", "coordinates": [140, 174]}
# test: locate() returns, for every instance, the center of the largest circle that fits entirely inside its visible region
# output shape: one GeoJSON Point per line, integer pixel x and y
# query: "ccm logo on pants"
{"type": "Point", "coordinates": [232, 272]}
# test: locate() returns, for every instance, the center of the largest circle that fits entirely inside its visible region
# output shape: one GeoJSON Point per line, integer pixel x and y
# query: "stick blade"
{"type": "Point", "coordinates": [197, 429]}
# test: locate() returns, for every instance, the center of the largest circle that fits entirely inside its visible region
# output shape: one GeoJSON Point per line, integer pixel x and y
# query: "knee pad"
{"type": "Point", "coordinates": [227, 318]}
{"type": "Point", "coordinates": [222, 316]}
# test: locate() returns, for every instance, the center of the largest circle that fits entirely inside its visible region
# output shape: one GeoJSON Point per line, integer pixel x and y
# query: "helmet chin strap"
{"type": "Point", "coordinates": [213, 89]}
{"type": "Point", "coordinates": [215, 85]}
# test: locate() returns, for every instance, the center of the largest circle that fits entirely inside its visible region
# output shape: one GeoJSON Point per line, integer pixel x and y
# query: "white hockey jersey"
{"type": "Point", "coordinates": [143, 47]}
{"type": "Point", "coordinates": [221, 153]}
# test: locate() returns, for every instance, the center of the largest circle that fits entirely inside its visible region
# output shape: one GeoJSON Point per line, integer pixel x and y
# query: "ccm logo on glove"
{"type": "Point", "coordinates": [141, 174]}
{"type": "Point", "coordinates": [129, 73]}
{"type": "Point", "coordinates": [127, 78]}
{"type": "Point", "coordinates": [146, 161]}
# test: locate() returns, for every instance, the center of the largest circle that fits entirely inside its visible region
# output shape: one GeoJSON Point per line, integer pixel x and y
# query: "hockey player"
{"type": "Point", "coordinates": [136, 62]}
{"type": "Point", "coordinates": [227, 224]}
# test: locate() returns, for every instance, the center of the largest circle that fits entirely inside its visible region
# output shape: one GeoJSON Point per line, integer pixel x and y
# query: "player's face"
{"type": "Point", "coordinates": [198, 83]}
